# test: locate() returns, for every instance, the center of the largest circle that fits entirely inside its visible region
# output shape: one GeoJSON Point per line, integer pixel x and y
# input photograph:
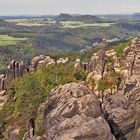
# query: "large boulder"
{"type": "Point", "coordinates": [73, 112]}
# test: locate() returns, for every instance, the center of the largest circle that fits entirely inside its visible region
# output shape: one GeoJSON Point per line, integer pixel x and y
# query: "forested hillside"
{"type": "Point", "coordinates": [25, 37]}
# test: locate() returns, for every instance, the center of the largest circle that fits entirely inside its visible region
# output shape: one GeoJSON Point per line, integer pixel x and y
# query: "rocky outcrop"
{"type": "Point", "coordinates": [2, 82]}
{"type": "Point", "coordinates": [129, 66]}
{"type": "Point", "coordinates": [122, 109]}
{"type": "Point", "coordinates": [73, 112]}
{"type": "Point", "coordinates": [123, 114]}
{"type": "Point", "coordinates": [41, 61]}
{"type": "Point", "coordinates": [78, 64]}
{"type": "Point", "coordinates": [3, 98]}
{"type": "Point", "coordinates": [16, 69]}
{"type": "Point", "coordinates": [136, 133]}
{"type": "Point", "coordinates": [12, 134]}
{"type": "Point", "coordinates": [84, 66]}
{"type": "Point", "coordinates": [92, 63]}
{"type": "Point", "coordinates": [30, 130]}
{"type": "Point", "coordinates": [62, 61]}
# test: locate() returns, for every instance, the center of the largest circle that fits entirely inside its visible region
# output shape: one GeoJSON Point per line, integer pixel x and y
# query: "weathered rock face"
{"type": "Point", "coordinates": [3, 98]}
{"type": "Point", "coordinates": [16, 69]}
{"type": "Point", "coordinates": [84, 66]}
{"type": "Point", "coordinates": [78, 64]}
{"type": "Point", "coordinates": [41, 61]}
{"type": "Point", "coordinates": [131, 63]}
{"type": "Point", "coordinates": [121, 109]}
{"type": "Point", "coordinates": [74, 113]}
{"type": "Point", "coordinates": [136, 132]}
{"type": "Point", "coordinates": [12, 134]}
{"type": "Point", "coordinates": [62, 61]}
{"type": "Point", "coordinates": [102, 57]}
{"type": "Point", "coordinates": [92, 64]}
{"type": "Point", "coordinates": [2, 82]}
{"type": "Point", "coordinates": [123, 114]}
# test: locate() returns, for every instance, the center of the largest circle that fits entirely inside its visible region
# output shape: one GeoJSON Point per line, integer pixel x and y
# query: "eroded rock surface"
{"type": "Point", "coordinates": [122, 109]}
{"type": "Point", "coordinates": [74, 113]}
{"type": "Point", "coordinates": [41, 61]}
{"type": "Point", "coordinates": [123, 114]}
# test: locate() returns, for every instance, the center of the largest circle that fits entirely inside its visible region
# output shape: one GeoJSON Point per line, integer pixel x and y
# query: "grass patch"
{"type": "Point", "coordinates": [30, 24]}
{"type": "Point", "coordinates": [120, 48]}
{"type": "Point", "coordinates": [9, 40]}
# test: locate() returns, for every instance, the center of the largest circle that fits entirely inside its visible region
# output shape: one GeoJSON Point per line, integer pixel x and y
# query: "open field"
{"type": "Point", "coordinates": [47, 21]}
{"type": "Point", "coordinates": [27, 22]}
{"type": "Point", "coordinates": [8, 40]}
{"type": "Point", "coordinates": [77, 24]}
{"type": "Point", "coordinates": [30, 24]}
{"type": "Point", "coordinates": [23, 20]}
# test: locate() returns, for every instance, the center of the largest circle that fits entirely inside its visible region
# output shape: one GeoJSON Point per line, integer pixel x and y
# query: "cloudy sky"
{"type": "Point", "coordinates": [53, 7]}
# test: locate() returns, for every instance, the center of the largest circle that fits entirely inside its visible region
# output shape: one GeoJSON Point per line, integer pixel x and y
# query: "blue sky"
{"type": "Point", "coordinates": [53, 7]}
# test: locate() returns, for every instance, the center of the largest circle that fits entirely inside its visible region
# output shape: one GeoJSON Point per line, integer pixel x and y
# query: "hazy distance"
{"type": "Point", "coordinates": [54, 7]}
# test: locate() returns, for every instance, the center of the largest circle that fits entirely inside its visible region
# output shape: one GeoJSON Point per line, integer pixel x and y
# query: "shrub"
{"type": "Point", "coordinates": [102, 85]}
{"type": "Point", "coordinates": [119, 49]}
{"type": "Point", "coordinates": [80, 75]}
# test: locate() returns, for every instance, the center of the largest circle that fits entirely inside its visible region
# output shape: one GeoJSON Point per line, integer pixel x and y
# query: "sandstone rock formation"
{"type": "Point", "coordinates": [78, 64]}
{"type": "Point", "coordinates": [123, 114]}
{"type": "Point", "coordinates": [3, 98]}
{"type": "Point", "coordinates": [102, 57]}
{"type": "Point", "coordinates": [15, 69]}
{"type": "Point", "coordinates": [121, 109]}
{"type": "Point", "coordinates": [31, 128]}
{"type": "Point", "coordinates": [62, 61]}
{"type": "Point", "coordinates": [73, 112]}
{"type": "Point", "coordinates": [85, 66]}
{"type": "Point", "coordinates": [41, 61]}
{"type": "Point", "coordinates": [12, 133]}
{"type": "Point", "coordinates": [93, 62]}
{"type": "Point", "coordinates": [2, 82]}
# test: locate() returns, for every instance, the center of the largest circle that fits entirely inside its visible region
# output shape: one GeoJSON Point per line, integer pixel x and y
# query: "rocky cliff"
{"type": "Point", "coordinates": [106, 106]}
{"type": "Point", "coordinates": [74, 112]}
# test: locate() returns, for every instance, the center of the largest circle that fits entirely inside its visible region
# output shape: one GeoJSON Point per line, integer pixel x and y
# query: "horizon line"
{"type": "Point", "coordinates": [70, 14]}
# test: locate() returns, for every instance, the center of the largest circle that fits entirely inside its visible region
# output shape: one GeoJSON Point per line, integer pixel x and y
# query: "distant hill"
{"type": "Point", "coordinates": [137, 15]}
{"type": "Point", "coordinates": [8, 27]}
{"type": "Point", "coordinates": [83, 18]}
{"type": "Point", "coordinates": [25, 16]}
{"type": "Point", "coordinates": [4, 23]}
